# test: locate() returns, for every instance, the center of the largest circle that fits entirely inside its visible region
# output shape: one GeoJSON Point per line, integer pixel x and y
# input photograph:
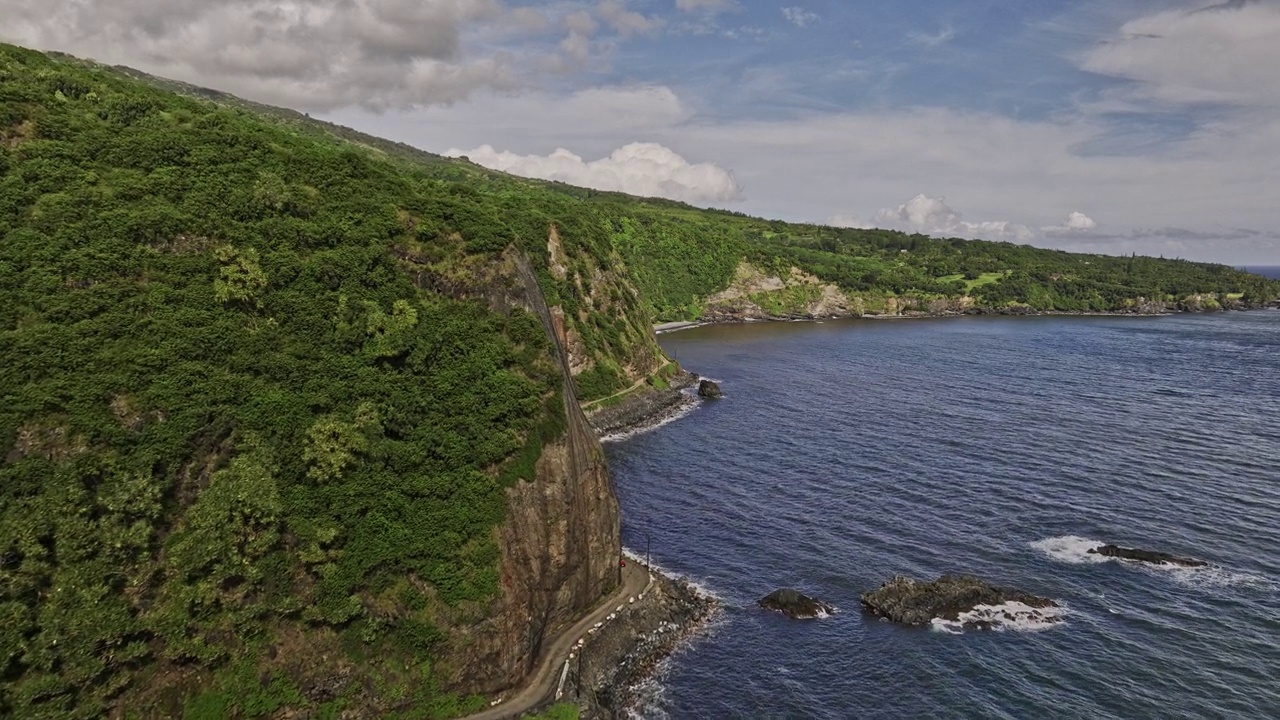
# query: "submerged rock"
{"type": "Point", "coordinates": [1147, 556]}
{"type": "Point", "coordinates": [709, 389]}
{"type": "Point", "coordinates": [794, 604]}
{"type": "Point", "coordinates": [949, 598]}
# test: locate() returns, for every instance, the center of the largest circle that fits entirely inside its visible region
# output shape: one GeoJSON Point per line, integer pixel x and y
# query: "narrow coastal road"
{"type": "Point", "coordinates": [544, 680]}
{"type": "Point", "coordinates": [673, 326]}
{"type": "Point", "coordinates": [638, 383]}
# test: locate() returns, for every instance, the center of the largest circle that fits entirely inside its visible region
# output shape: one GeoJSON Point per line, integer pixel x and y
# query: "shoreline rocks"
{"type": "Point", "coordinates": [949, 598]}
{"type": "Point", "coordinates": [1147, 556]}
{"type": "Point", "coordinates": [709, 389]}
{"type": "Point", "coordinates": [609, 675]}
{"type": "Point", "coordinates": [644, 408]}
{"type": "Point", "coordinates": [795, 604]}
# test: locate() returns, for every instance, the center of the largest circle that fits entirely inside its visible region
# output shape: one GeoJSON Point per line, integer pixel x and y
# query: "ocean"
{"type": "Point", "coordinates": [1271, 271]}
{"type": "Point", "coordinates": [847, 452]}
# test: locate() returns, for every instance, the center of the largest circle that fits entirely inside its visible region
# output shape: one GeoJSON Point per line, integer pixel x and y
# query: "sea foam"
{"type": "Point", "coordinates": [1074, 550]}
{"type": "Point", "coordinates": [1010, 616]}
{"type": "Point", "coordinates": [1071, 549]}
{"type": "Point", "coordinates": [683, 410]}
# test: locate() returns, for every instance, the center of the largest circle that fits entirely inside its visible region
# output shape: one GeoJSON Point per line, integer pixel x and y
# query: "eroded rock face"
{"type": "Point", "coordinates": [949, 598]}
{"type": "Point", "coordinates": [1148, 556]}
{"type": "Point", "coordinates": [794, 604]}
{"type": "Point", "coordinates": [559, 545]}
{"type": "Point", "coordinates": [709, 389]}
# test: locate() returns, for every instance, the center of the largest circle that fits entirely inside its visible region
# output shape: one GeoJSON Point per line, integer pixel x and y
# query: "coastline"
{"type": "Point", "coordinates": [606, 676]}
{"type": "Point", "coordinates": [738, 319]}
{"type": "Point", "coordinates": [646, 409]}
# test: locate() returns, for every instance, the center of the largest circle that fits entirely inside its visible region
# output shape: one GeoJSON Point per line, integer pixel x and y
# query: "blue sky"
{"type": "Point", "coordinates": [1100, 125]}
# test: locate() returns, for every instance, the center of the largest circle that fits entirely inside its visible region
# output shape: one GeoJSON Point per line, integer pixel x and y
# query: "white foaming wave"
{"type": "Point", "coordinates": [1074, 550]}
{"type": "Point", "coordinates": [696, 586]}
{"type": "Point", "coordinates": [682, 411]}
{"type": "Point", "coordinates": [1071, 549]}
{"type": "Point", "coordinates": [1210, 576]}
{"type": "Point", "coordinates": [650, 694]}
{"type": "Point", "coordinates": [1010, 616]}
{"type": "Point", "coordinates": [649, 701]}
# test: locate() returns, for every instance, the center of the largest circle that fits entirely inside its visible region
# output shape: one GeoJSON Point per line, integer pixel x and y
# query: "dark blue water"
{"type": "Point", "coordinates": [1271, 271]}
{"type": "Point", "coordinates": [848, 452]}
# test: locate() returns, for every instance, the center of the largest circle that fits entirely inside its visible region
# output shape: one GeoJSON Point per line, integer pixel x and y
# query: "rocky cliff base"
{"type": "Point", "coordinates": [646, 407]}
{"type": "Point", "coordinates": [607, 676]}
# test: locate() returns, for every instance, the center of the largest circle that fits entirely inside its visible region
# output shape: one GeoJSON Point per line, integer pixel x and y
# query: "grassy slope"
{"type": "Point", "coordinates": [244, 408]}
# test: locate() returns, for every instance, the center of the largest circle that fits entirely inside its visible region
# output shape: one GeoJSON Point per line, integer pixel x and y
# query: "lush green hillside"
{"type": "Point", "coordinates": [262, 394]}
{"type": "Point", "coordinates": [245, 397]}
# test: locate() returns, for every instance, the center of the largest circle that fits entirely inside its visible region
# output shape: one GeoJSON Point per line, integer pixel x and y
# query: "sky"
{"type": "Point", "coordinates": [1111, 126]}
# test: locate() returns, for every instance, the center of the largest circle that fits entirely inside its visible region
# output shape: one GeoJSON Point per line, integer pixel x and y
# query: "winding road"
{"type": "Point", "coordinates": [543, 681]}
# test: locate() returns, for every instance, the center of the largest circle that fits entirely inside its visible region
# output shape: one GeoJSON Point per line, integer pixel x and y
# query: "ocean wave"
{"type": "Point", "coordinates": [1010, 616]}
{"type": "Point", "coordinates": [1212, 576]}
{"type": "Point", "coordinates": [658, 569]}
{"type": "Point", "coordinates": [1071, 549]}
{"type": "Point", "coordinates": [649, 695]}
{"type": "Point", "coordinates": [1074, 550]}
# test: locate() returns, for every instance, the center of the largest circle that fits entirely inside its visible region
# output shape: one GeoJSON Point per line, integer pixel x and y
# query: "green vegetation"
{"type": "Point", "coordinates": [230, 410]}
{"type": "Point", "coordinates": [263, 392]}
{"type": "Point", "coordinates": [561, 711]}
{"type": "Point", "coordinates": [878, 264]}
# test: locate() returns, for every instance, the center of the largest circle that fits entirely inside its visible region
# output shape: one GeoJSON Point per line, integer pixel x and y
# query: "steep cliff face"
{"type": "Point", "coordinates": [560, 542]}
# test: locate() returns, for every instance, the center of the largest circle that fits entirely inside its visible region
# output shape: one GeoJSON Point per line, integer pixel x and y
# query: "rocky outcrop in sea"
{"type": "Point", "coordinates": [962, 600]}
{"type": "Point", "coordinates": [1147, 556]}
{"type": "Point", "coordinates": [795, 604]}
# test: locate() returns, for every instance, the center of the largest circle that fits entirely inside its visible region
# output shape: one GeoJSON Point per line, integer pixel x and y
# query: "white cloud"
{"type": "Point", "coordinates": [624, 21]}
{"type": "Point", "coordinates": [304, 53]}
{"type": "Point", "coordinates": [1079, 221]}
{"type": "Point", "coordinates": [944, 36]}
{"type": "Point", "coordinates": [705, 5]}
{"type": "Point", "coordinates": [1076, 223]}
{"type": "Point", "coordinates": [326, 54]}
{"type": "Point", "coordinates": [645, 169]}
{"type": "Point", "coordinates": [933, 216]}
{"type": "Point", "coordinates": [1224, 54]}
{"type": "Point", "coordinates": [581, 22]}
{"type": "Point", "coordinates": [798, 16]}
{"type": "Point", "coordinates": [995, 169]}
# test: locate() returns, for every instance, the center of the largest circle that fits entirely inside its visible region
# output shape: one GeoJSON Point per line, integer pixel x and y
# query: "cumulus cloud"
{"type": "Point", "coordinates": [1077, 223]}
{"type": "Point", "coordinates": [933, 216]}
{"type": "Point", "coordinates": [307, 53]}
{"type": "Point", "coordinates": [993, 168]}
{"type": "Point", "coordinates": [624, 21]}
{"type": "Point", "coordinates": [1225, 53]}
{"type": "Point", "coordinates": [325, 54]}
{"type": "Point", "coordinates": [798, 16]}
{"type": "Point", "coordinates": [645, 169]}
